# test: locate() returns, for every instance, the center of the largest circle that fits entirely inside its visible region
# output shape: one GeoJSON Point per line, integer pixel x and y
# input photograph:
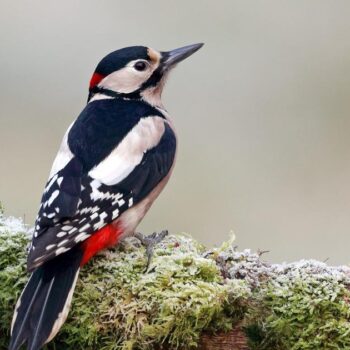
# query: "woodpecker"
{"type": "Point", "coordinates": [113, 162]}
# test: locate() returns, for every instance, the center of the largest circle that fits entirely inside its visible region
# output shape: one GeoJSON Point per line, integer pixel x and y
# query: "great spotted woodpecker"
{"type": "Point", "coordinates": [113, 162]}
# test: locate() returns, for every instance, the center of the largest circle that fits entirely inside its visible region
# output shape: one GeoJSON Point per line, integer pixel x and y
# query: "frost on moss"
{"type": "Point", "coordinates": [117, 305]}
{"type": "Point", "coordinates": [13, 241]}
{"type": "Point", "coordinates": [121, 306]}
{"type": "Point", "coordinates": [305, 306]}
{"type": "Point", "coordinates": [186, 291]}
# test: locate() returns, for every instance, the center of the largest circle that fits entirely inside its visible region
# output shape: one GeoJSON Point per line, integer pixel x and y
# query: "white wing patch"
{"type": "Point", "coordinates": [130, 151]}
{"type": "Point", "coordinates": [63, 157]}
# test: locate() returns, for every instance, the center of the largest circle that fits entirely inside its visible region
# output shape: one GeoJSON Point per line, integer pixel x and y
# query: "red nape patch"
{"type": "Point", "coordinates": [95, 79]}
{"type": "Point", "coordinates": [101, 239]}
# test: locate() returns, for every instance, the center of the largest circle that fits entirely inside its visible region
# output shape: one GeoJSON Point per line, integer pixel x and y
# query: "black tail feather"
{"type": "Point", "coordinates": [43, 300]}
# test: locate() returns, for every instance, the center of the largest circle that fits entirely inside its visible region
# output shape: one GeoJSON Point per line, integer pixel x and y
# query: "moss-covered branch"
{"type": "Point", "coordinates": [189, 297]}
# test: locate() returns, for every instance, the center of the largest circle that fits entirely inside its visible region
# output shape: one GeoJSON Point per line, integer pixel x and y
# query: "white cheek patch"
{"type": "Point", "coordinates": [130, 151]}
{"type": "Point", "coordinates": [128, 79]}
{"type": "Point", "coordinates": [125, 80]}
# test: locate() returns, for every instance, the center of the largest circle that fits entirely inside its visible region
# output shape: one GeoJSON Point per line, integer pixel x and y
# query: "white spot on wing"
{"type": "Point", "coordinates": [62, 242]}
{"type": "Point", "coordinates": [89, 210]}
{"type": "Point", "coordinates": [85, 227]}
{"type": "Point", "coordinates": [98, 225]}
{"type": "Point", "coordinates": [81, 237]}
{"type": "Point", "coordinates": [53, 196]}
{"type": "Point", "coordinates": [96, 195]}
{"type": "Point", "coordinates": [61, 234]}
{"type": "Point", "coordinates": [61, 250]}
{"type": "Point", "coordinates": [93, 216]}
{"type": "Point", "coordinates": [53, 179]}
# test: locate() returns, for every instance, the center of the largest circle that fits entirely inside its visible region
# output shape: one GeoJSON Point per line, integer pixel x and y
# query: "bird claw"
{"type": "Point", "coordinates": [150, 242]}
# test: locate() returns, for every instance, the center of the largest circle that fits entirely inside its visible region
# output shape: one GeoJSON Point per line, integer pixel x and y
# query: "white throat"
{"type": "Point", "coordinates": [153, 96]}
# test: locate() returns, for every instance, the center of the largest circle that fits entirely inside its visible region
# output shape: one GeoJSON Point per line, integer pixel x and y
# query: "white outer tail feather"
{"type": "Point", "coordinates": [62, 316]}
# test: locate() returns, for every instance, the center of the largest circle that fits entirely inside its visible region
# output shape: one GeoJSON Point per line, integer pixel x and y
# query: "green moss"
{"type": "Point", "coordinates": [310, 312]}
{"type": "Point", "coordinates": [186, 291]}
{"type": "Point", "coordinates": [12, 274]}
{"type": "Point", "coordinates": [123, 307]}
{"type": "Point", "coordinates": [117, 305]}
{"type": "Point", "coordinates": [297, 306]}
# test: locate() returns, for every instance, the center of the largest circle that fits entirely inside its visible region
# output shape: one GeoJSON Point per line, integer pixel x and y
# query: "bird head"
{"type": "Point", "coordinates": [136, 72]}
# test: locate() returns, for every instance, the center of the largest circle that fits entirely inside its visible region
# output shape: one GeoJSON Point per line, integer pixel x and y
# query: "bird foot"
{"type": "Point", "coordinates": [150, 242]}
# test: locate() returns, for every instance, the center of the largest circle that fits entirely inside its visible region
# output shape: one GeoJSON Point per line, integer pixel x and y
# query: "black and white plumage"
{"type": "Point", "coordinates": [113, 162]}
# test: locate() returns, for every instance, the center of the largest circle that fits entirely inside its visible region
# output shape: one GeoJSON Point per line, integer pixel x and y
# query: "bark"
{"type": "Point", "coordinates": [233, 340]}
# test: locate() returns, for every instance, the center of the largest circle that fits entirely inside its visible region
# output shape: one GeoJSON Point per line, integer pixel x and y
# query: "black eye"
{"type": "Point", "coordinates": [140, 65]}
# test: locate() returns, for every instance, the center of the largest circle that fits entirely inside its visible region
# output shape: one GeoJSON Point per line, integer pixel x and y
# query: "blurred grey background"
{"type": "Point", "coordinates": [262, 112]}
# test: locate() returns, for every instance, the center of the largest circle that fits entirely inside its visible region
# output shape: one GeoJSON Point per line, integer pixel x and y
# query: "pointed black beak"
{"type": "Point", "coordinates": [171, 58]}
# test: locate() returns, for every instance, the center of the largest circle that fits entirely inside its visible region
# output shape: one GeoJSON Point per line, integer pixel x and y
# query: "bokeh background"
{"type": "Point", "coordinates": [262, 112]}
